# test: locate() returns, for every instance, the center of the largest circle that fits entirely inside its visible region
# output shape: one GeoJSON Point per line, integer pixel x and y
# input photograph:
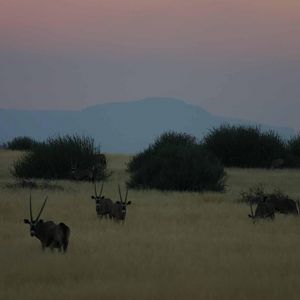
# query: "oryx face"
{"type": "Point", "coordinates": [122, 209]}
{"type": "Point", "coordinates": [98, 198]}
{"type": "Point", "coordinates": [33, 223]}
{"type": "Point", "coordinates": [119, 211]}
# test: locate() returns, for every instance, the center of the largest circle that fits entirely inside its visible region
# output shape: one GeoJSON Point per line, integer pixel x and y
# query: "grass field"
{"type": "Point", "coordinates": [172, 246]}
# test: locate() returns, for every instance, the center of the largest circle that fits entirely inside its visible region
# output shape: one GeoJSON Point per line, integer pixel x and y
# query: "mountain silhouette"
{"type": "Point", "coordinates": [125, 127]}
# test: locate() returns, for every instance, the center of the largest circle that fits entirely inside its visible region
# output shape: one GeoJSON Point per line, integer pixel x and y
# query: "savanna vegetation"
{"type": "Point", "coordinates": [293, 152]}
{"type": "Point", "coordinates": [176, 161]}
{"type": "Point", "coordinates": [22, 143]}
{"type": "Point", "coordinates": [61, 157]}
{"type": "Point", "coordinates": [245, 146]}
{"type": "Point", "coordinates": [173, 245]}
{"type": "Point", "coordinates": [164, 163]}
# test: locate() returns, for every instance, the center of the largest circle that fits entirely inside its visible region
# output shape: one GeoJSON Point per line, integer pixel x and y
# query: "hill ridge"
{"type": "Point", "coordinates": [126, 127]}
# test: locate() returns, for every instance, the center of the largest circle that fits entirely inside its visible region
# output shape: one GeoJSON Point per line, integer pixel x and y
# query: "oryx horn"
{"type": "Point", "coordinates": [126, 195]}
{"type": "Point", "coordinates": [41, 210]}
{"type": "Point", "coordinates": [252, 215]}
{"type": "Point", "coordinates": [101, 189]}
{"type": "Point", "coordinates": [120, 193]}
{"type": "Point", "coordinates": [30, 208]}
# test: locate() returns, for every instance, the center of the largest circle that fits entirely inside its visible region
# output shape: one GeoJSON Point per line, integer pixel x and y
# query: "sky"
{"type": "Point", "coordinates": [235, 58]}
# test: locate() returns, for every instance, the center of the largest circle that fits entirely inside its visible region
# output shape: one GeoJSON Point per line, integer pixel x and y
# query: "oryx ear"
{"type": "Point", "coordinates": [93, 197]}
{"type": "Point", "coordinates": [41, 221]}
{"type": "Point", "coordinates": [128, 203]}
{"type": "Point", "coordinates": [118, 202]}
{"type": "Point", "coordinates": [26, 221]}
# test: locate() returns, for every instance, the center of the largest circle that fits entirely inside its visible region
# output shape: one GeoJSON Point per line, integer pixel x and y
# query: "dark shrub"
{"type": "Point", "coordinates": [254, 195]}
{"type": "Point", "coordinates": [21, 143]}
{"type": "Point", "coordinates": [293, 157]}
{"type": "Point", "coordinates": [245, 146]}
{"type": "Point", "coordinates": [56, 157]}
{"type": "Point", "coordinates": [294, 146]}
{"type": "Point", "coordinates": [176, 162]}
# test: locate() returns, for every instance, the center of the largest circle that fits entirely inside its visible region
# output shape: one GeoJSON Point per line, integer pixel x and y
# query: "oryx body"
{"type": "Point", "coordinates": [103, 205]}
{"type": "Point", "coordinates": [118, 211]}
{"type": "Point", "coordinates": [285, 205]}
{"type": "Point", "coordinates": [50, 234]}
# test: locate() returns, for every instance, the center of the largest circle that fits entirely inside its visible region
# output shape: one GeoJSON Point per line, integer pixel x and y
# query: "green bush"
{"type": "Point", "coordinates": [294, 146]}
{"type": "Point", "coordinates": [55, 158]}
{"type": "Point", "coordinates": [245, 146]}
{"type": "Point", "coordinates": [21, 143]}
{"type": "Point", "coordinates": [176, 162]}
{"type": "Point", "coordinates": [254, 195]}
{"type": "Point", "coordinates": [293, 157]}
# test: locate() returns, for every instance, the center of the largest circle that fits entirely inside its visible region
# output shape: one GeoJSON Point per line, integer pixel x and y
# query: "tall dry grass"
{"type": "Point", "coordinates": [172, 246]}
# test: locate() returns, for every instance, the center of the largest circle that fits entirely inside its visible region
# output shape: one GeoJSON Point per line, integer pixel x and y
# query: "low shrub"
{"type": "Point", "coordinates": [293, 148]}
{"type": "Point", "coordinates": [24, 143]}
{"type": "Point", "coordinates": [176, 161]}
{"type": "Point", "coordinates": [245, 146]}
{"type": "Point", "coordinates": [56, 157]}
{"type": "Point", "coordinates": [294, 145]}
{"type": "Point", "coordinates": [254, 195]}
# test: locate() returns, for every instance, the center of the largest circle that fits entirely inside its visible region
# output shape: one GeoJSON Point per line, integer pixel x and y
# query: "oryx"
{"type": "Point", "coordinates": [50, 234]}
{"type": "Point", "coordinates": [103, 205]}
{"type": "Point", "coordinates": [119, 208]}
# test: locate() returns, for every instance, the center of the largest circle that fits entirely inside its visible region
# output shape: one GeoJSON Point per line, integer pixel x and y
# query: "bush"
{"type": "Point", "coordinates": [55, 158]}
{"type": "Point", "coordinates": [294, 145]}
{"type": "Point", "coordinates": [176, 162]}
{"type": "Point", "coordinates": [293, 158]}
{"type": "Point", "coordinates": [245, 146]}
{"type": "Point", "coordinates": [21, 143]}
{"type": "Point", "coordinates": [254, 195]}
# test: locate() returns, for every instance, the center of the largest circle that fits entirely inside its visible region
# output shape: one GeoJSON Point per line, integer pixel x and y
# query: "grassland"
{"type": "Point", "coordinates": [172, 246]}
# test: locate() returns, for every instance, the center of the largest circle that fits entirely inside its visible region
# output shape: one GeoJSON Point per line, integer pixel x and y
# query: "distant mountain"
{"type": "Point", "coordinates": [126, 127]}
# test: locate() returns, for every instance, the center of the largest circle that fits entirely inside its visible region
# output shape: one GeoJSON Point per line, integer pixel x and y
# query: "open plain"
{"type": "Point", "coordinates": [172, 245]}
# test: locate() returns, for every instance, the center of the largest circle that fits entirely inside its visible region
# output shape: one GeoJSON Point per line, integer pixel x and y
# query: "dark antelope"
{"type": "Point", "coordinates": [264, 209]}
{"type": "Point", "coordinates": [103, 205]}
{"type": "Point", "coordinates": [119, 208]}
{"type": "Point", "coordinates": [285, 205]}
{"type": "Point", "coordinates": [50, 234]}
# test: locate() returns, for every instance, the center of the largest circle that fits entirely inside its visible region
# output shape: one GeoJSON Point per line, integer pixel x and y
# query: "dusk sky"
{"type": "Point", "coordinates": [238, 58]}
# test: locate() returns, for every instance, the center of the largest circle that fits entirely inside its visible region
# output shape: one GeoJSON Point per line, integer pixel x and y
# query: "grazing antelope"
{"type": "Point", "coordinates": [119, 208]}
{"type": "Point", "coordinates": [103, 205]}
{"type": "Point", "coordinates": [50, 234]}
{"type": "Point", "coordinates": [264, 209]}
